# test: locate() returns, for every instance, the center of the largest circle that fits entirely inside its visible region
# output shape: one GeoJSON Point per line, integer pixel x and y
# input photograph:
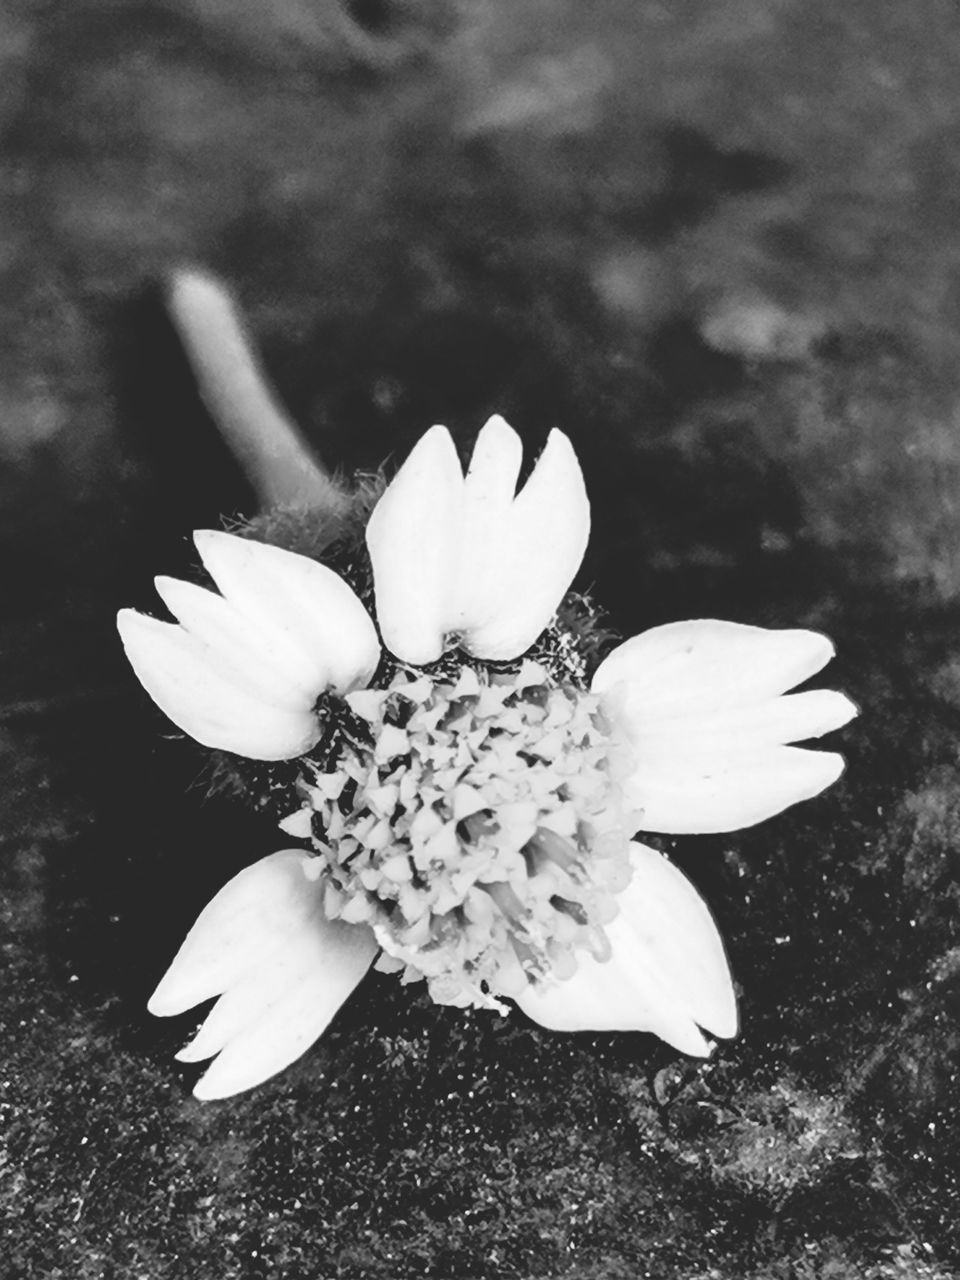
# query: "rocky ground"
{"type": "Point", "coordinates": [718, 242]}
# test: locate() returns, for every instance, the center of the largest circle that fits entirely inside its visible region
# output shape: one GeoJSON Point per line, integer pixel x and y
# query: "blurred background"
{"type": "Point", "coordinates": [718, 243]}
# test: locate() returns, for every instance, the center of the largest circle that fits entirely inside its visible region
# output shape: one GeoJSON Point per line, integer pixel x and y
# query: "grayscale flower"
{"type": "Point", "coordinates": [474, 826]}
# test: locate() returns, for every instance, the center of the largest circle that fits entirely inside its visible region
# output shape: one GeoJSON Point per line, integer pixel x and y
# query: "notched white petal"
{"type": "Point", "coordinates": [536, 556]}
{"type": "Point", "coordinates": [468, 556]}
{"type": "Point", "coordinates": [668, 972]}
{"type": "Point", "coordinates": [243, 670]}
{"type": "Point", "coordinates": [229, 937]}
{"type": "Point", "coordinates": [414, 537]}
{"type": "Point", "coordinates": [205, 698]}
{"type": "Point", "coordinates": [705, 723]}
{"type": "Point", "coordinates": [312, 622]}
{"type": "Point", "coordinates": [281, 969]}
{"type": "Point", "coordinates": [708, 665]}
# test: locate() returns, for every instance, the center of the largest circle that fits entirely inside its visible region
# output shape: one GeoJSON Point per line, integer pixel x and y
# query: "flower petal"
{"type": "Point", "coordinates": [668, 972]}
{"type": "Point", "coordinates": [727, 794]}
{"type": "Point", "coordinates": [533, 557]}
{"type": "Point", "coordinates": [207, 699]}
{"type": "Point", "coordinates": [413, 536]}
{"type": "Point", "coordinates": [281, 968]}
{"type": "Point", "coordinates": [250, 657]}
{"type": "Point", "coordinates": [311, 616]}
{"type": "Point", "coordinates": [708, 665]}
{"type": "Point", "coordinates": [243, 670]}
{"type": "Point", "coordinates": [469, 557]}
{"type": "Point", "coordinates": [705, 724]}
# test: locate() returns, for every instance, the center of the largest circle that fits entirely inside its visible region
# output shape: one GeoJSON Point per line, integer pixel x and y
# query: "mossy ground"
{"type": "Point", "coordinates": [715, 241]}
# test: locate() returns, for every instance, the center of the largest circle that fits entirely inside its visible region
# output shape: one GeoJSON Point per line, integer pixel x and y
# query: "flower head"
{"type": "Point", "coordinates": [477, 830]}
{"type": "Point", "coordinates": [468, 793]}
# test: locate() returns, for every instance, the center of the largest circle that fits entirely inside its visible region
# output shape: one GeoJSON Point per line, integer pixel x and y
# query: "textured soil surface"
{"type": "Point", "coordinates": [718, 242]}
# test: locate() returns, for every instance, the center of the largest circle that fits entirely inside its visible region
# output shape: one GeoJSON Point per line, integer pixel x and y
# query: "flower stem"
{"type": "Point", "coordinates": [268, 446]}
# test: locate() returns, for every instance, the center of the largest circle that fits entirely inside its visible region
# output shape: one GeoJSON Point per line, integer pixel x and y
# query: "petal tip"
{"type": "Point", "coordinates": [162, 1004]}
{"type": "Point", "coordinates": [434, 446]}
{"type": "Point", "coordinates": [559, 439]}
{"type": "Point", "coordinates": [812, 649]}
{"type": "Point", "coordinates": [208, 535]}
{"type": "Point", "coordinates": [149, 644]}
{"type": "Point", "coordinates": [824, 643]}
{"type": "Point", "coordinates": [436, 433]}
{"type": "Point", "coordinates": [497, 426]}
{"type": "Point", "coordinates": [123, 624]}
{"type": "Point", "coordinates": [847, 710]}
{"type": "Point", "coordinates": [132, 624]}
{"type": "Point", "coordinates": [189, 1053]}
{"type": "Point", "coordinates": [209, 540]}
{"type": "Point", "coordinates": [559, 451]}
{"type": "Point", "coordinates": [832, 768]}
{"type": "Point", "coordinates": [211, 1088]}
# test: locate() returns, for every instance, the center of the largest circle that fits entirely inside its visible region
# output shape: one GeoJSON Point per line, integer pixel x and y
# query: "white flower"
{"type": "Point", "coordinates": [479, 828]}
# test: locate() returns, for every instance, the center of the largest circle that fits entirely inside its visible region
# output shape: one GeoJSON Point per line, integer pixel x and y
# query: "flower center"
{"type": "Point", "coordinates": [473, 824]}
